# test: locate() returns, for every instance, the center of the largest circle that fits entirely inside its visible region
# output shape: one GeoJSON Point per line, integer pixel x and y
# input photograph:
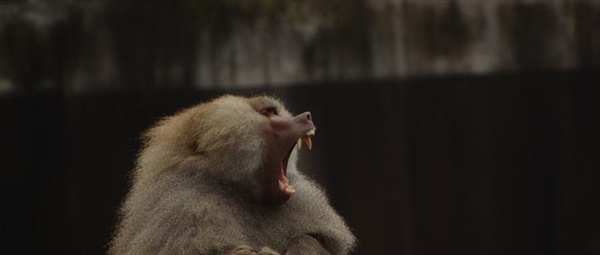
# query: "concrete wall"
{"type": "Point", "coordinates": [97, 46]}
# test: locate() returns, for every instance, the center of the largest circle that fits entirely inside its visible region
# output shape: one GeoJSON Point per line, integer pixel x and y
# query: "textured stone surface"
{"type": "Point", "coordinates": [98, 46]}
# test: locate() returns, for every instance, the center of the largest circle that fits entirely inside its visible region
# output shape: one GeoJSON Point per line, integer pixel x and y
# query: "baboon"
{"type": "Point", "coordinates": [221, 178]}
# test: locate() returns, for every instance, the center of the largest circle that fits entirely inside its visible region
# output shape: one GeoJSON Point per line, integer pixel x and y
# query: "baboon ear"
{"type": "Point", "coordinates": [194, 146]}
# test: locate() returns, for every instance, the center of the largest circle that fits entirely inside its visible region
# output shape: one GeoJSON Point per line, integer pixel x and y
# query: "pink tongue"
{"type": "Point", "coordinates": [284, 182]}
{"type": "Point", "coordinates": [282, 179]}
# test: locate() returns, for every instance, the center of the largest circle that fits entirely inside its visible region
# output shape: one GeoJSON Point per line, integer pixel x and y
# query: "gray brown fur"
{"type": "Point", "coordinates": [193, 192]}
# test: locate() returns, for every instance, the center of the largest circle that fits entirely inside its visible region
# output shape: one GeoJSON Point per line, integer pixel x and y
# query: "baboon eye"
{"type": "Point", "coordinates": [268, 111]}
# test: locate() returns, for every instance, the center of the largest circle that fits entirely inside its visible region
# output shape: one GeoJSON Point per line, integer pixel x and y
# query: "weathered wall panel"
{"type": "Point", "coordinates": [85, 47]}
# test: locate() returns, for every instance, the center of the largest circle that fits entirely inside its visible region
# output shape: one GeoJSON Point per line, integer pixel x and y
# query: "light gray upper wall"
{"type": "Point", "coordinates": [97, 46]}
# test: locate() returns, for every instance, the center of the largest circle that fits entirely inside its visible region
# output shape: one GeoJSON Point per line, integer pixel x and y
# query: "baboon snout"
{"type": "Point", "coordinates": [304, 117]}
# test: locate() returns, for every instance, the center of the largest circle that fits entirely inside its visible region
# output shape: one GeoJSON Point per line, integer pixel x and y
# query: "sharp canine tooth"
{"type": "Point", "coordinates": [299, 143]}
{"type": "Point", "coordinates": [308, 142]}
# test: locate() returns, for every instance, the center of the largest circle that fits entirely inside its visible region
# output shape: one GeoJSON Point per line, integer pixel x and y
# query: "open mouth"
{"type": "Point", "coordinates": [284, 182]}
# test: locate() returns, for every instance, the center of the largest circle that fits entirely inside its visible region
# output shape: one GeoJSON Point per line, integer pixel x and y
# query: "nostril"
{"type": "Point", "coordinates": [304, 117]}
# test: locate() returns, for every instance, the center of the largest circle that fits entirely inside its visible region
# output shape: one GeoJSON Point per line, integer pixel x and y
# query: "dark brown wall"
{"type": "Point", "coordinates": [445, 127]}
{"type": "Point", "coordinates": [500, 164]}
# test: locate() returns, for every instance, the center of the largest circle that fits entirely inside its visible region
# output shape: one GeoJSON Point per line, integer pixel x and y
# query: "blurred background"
{"type": "Point", "coordinates": [445, 127]}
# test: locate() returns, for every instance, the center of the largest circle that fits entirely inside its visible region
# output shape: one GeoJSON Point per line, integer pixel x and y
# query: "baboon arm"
{"type": "Point", "coordinates": [305, 244]}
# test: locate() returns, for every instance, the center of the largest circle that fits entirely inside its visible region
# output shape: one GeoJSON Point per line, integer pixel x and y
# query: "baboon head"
{"type": "Point", "coordinates": [246, 144]}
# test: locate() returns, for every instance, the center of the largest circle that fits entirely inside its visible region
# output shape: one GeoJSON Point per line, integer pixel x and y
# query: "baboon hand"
{"type": "Point", "coordinates": [246, 250]}
{"type": "Point", "coordinates": [242, 250]}
{"type": "Point", "coordinates": [267, 251]}
{"type": "Point", "coordinates": [305, 244]}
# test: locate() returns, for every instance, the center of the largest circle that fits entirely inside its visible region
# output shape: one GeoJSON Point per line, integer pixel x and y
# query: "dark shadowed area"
{"type": "Point", "coordinates": [444, 127]}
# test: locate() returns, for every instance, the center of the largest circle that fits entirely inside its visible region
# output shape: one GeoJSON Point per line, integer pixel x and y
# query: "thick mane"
{"type": "Point", "coordinates": [204, 181]}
